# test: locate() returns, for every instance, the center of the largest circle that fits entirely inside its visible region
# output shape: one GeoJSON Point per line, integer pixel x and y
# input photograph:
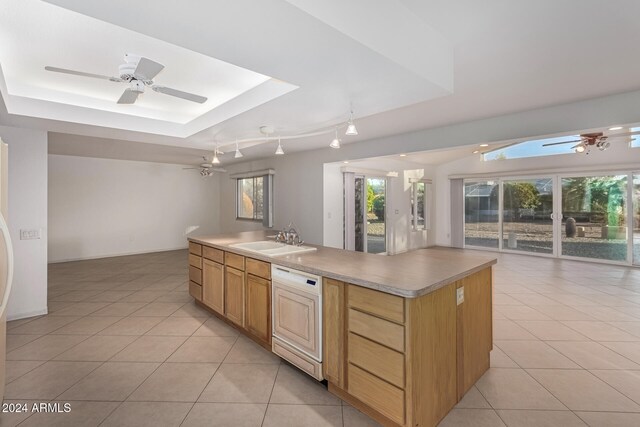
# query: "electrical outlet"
{"type": "Point", "coordinates": [33, 234]}
{"type": "Point", "coordinates": [459, 295]}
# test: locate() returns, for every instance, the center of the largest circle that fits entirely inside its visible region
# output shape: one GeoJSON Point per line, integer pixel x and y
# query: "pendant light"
{"type": "Point", "coordinates": [336, 142]}
{"type": "Point", "coordinates": [351, 128]}
{"type": "Point", "coordinates": [238, 153]}
{"type": "Point", "coordinates": [279, 150]}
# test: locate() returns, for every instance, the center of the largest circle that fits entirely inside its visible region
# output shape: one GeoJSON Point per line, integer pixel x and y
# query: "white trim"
{"type": "Point", "coordinates": [252, 174]}
{"type": "Point", "coordinates": [373, 173]}
{"type": "Point", "coordinates": [625, 167]}
{"type": "Point", "coordinates": [148, 251]}
{"type": "Point", "coordinates": [26, 315]}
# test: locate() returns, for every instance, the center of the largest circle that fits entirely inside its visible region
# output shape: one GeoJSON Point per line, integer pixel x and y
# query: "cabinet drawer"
{"type": "Point", "coordinates": [376, 329]}
{"type": "Point", "coordinates": [195, 248]}
{"type": "Point", "coordinates": [213, 254]}
{"type": "Point", "coordinates": [380, 395]}
{"type": "Point", "coordinates": [377, 359]}
{"type": "Point", "coordinates": [195, 290]}
{"type": "Point", "coordinates": [377, 303]}
{"type": "Point", "coordinates": [234, 260]}
{"type": "Point", "coordinates": [195, 261]}
{"type": "Point", "coordinates": [195, 275]}
{"type": "Point", "coordinates": [259, 268]}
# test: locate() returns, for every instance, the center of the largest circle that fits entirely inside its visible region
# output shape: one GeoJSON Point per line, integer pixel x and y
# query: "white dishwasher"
{"type": "Point", "coordinates": [297, 318]}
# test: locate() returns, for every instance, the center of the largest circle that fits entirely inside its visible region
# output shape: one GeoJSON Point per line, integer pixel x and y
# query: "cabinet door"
{"type": "Point", "coordinates": [334, 331]}
{"type": "Point", "coordinates": [258, 313]}
{"type": "Point", "coordinates": [234, 295]}
{"type": "Point", "coordinates": [213, 285]}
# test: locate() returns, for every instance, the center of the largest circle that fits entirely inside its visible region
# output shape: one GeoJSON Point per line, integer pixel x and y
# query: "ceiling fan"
{"type": "Point", "coordinates": [207, 168]}
{"type": "Point", "coordinates": [138, 72]}
{"type": "Point", "coordinates": [595, 139]}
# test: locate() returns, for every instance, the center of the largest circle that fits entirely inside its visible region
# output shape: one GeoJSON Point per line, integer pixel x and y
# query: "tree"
{"type": "Point", "coordinates": [378, 206]}
{"type": "Point", "coordinates": [371, 196]}
{"type": "Point", "coordinates": [517, 196]}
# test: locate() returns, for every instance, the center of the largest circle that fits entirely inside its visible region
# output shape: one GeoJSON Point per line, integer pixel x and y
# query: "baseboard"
{"type": "Point", "coordinates": [148, 251]}
{"type": "Point", "coordinates": [28, 314]}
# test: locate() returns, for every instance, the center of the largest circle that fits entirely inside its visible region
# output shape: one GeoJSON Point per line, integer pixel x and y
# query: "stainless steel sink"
{"type": "Point", "coordinates": [270, 248]}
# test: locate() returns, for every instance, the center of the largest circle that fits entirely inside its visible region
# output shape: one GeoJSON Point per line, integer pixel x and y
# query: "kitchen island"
{"type": "Point", "coordinates": [403, 337]}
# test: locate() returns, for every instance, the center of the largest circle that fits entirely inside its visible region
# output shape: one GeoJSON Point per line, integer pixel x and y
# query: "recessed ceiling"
{"type": "Point", "coordinates": [34, 34]}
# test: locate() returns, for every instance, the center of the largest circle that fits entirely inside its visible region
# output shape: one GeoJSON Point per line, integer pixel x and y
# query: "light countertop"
{"type": "Point", "coordinates": [410, 274]}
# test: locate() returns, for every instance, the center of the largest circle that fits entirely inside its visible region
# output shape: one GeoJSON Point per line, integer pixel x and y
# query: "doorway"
{"type": "Point", "coordinates": [369, 217]}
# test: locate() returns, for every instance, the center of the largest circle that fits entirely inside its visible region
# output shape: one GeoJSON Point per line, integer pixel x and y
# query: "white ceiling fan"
{"type": "Point", "coordinates": [138, 72]}
{"type": "Point", "coordinates": [207, 168]}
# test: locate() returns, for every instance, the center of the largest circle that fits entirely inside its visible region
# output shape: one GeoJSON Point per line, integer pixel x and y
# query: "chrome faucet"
{"type": "Point", "coordinates": [289, 236]}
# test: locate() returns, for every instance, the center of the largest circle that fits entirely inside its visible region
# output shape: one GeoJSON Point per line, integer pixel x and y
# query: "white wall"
{"type": "Point", "coordinates": [298, 193]}
{"type": "Point", "coordinates": [618, 157]}
{"type": "Point", "coordinates": [27, 210]}
{"type": "Point", "coordinates": [105, 207]}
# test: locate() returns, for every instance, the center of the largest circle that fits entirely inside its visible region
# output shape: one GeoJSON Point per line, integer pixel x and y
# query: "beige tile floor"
{"type": "Point", "coordinates": [126, 346]}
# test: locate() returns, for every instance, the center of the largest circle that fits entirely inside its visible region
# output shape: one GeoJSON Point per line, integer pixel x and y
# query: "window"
{"type": "Point", "coordinates": [635, 139]}
{"type": "Point", "coordinates": [254, 196]}
{"type": "Point", "coordinates": [419, 205]}
{"type": "Point", "coordinates": [534, 148]}
{"type": "Point", "coordinates": [250, 198]}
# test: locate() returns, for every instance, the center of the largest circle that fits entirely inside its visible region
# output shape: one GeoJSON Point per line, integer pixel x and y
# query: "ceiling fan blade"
{"type": "Point", "coordinates": [180, 94]}
{"type": "Point", "coordinates": [218, 170]}
{"type": "Point", "coordinates": [128, 97]}
{"type": "Point", "coordinates": [189, 168]}
{"type": "Point", "coordinates": [559, 143]}
{"type": "Point", "coordinates": [82, 74]}
{"type": "Point", "coordinates": [147, 69]}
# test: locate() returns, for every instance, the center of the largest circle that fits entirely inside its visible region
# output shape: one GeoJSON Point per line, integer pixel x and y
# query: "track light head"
{"type": "Point", "coordinates": [351, 128]}
{"type": "Point", "coordinates": [279, 150]}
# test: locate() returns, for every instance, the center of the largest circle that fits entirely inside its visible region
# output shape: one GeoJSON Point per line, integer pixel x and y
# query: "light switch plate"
{"type": "Point", "coordinates": [33, 234]}
{"type": "Point", "coordinates": [460, 295]}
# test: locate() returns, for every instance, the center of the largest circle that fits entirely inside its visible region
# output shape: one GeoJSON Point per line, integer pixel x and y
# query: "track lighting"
{"type": "Point", "coordinates": [238, 153]}
{"type": "Point", "coordinates": [351, 128]}
{"type": "Point", "coordinates": [336, 142]}
{"type": "Point", "coordinates": [279, 150]}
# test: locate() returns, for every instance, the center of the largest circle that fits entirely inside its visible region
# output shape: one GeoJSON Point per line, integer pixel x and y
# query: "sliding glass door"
{"type": "Point", "coordinates": [594, 217]}
{"type": "Point", "coordinates": [482, 213]}
{"type": "Point", "coordinates": [527, 215]}
{"type": "Point", "coordinates": [587, 216]}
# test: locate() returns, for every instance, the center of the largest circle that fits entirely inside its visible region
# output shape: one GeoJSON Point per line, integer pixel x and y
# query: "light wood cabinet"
{"type": "Point", "coordinates": [213, 285]}
{"type": "Point", "coordinates": [195, 290]}
{"type": "Point", "coordinates": [258, 268]}
{"type": "Point", "coordinates": [234, 295]}
{"type": "Point", "coordinates": [474, 329]}
{"type": "Point", "coordinates": [195, 248]}
{"type": "Point", "coordinates": [333, 318]}
{"type": "Point", "coordinates": [258, 307]}
{"type": "Point", "coordinates": [234, 260]}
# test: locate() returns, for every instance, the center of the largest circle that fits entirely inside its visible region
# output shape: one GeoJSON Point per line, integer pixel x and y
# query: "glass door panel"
{"type": "Point", "coordinates": [527, 223]}
{"type": "Point", "coordinates": [481, 213]}
{"type": "Point", "coordinates": [594, 217]}
{"type": "Point", "coordinates": [636, 218]}
{"type": "Point", "coordinates": [376, 209]}
{"type": "Point", "coordinates": [359, 206]}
